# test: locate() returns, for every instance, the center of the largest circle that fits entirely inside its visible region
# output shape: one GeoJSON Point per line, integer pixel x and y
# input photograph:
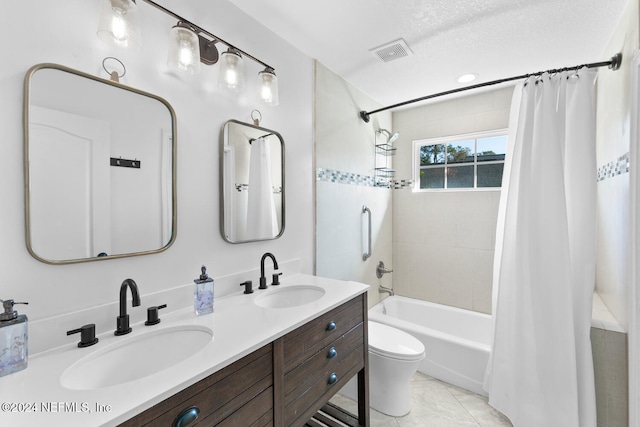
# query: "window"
{"type": "Point", "coordinates": [460, 162]}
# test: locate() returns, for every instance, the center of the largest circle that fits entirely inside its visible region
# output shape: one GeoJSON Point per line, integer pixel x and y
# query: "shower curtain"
{"type": "Point", "coordinates": [540, 372]}
{"type": "Point", "coordinates": [262, 221]}
{"type": "Point", "coordinates": [229, 193]}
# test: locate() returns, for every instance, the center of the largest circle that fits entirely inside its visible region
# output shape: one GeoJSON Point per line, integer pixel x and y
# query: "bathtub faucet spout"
{"type": "Point", "coordinates": [382, 289]}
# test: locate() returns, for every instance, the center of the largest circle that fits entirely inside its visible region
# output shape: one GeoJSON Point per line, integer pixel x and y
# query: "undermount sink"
{"type": "Point", "coordinates": [136, 357]}
{"type": "Point", "coordinates": [290, 296]}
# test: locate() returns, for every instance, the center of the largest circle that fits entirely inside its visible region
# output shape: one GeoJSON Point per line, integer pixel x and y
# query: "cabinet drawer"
{"type": "Point", "coordinates": [244, 387]}
{"type": "Point", "coordinates": [310, 338]}
{"type": "Point", "coordinates": [307, 402]}
{"type": "Point", "coordinates": [259, 413]}
{"type": "Point", "coordinates": [322, 364]}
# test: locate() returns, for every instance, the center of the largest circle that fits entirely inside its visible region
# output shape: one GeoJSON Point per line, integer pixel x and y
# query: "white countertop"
{"type": "Point", "coordinates": [35, 396]}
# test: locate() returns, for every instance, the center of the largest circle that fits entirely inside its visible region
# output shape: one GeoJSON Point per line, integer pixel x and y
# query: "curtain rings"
{"type": "Point", "coordinates": [574, 75]}
{"type": "Point", "coordinates": [536, 77]}
{"type": "Point", "coordinates": [576, 72]}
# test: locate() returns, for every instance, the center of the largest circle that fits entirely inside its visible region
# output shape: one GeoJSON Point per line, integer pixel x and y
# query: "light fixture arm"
{"type": "Point", "coordinates": [199, 30]}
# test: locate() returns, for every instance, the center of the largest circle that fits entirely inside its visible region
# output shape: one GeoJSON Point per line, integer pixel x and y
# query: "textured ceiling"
{"type": "Point", "coordinates": [492, 38]}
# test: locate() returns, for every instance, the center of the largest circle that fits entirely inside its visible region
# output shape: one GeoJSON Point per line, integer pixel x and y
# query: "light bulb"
{"type": "Point", "coordinates": [184, 50]}
{"type": "Point", "coordinates": [231, 71]}
{"type": "Point", "coordinates": [118, 24]}
{"type": "Point", "coordinates": [268, 87]}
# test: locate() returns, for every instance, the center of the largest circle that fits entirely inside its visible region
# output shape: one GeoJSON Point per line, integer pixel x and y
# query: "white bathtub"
{"type": "Point", "coordinates": [457, 341]}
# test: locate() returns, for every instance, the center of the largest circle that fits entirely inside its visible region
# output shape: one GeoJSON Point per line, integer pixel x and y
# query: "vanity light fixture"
{"type": "Point", "coordinates": [268, 87]}
{"type": "Point", "coordinates": [184, 49]}
{"type": "Point", "coordinates": [118, 24]}
{"type": "Point", "coordinates": [187, 42]}
{"type": "Point", "coordinates": [231, 74]}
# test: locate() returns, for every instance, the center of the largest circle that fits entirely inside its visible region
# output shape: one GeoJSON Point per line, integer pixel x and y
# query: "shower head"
{"type": "Point", "coordinates": [391, 136]}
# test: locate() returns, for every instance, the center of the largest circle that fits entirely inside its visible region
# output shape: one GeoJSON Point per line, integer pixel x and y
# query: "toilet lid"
{"type": "Point", "coordinates": [391, 342]}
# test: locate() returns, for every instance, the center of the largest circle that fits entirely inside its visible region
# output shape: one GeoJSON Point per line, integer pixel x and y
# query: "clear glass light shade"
{"type": "Point", "coordinates": [119, 24]}
{"type": "Point", "coordinates": [268, 87]}
{"type": "Point", "coordinates": [184, 50]}
{"type": "Point", "coordinates": [231, 71]}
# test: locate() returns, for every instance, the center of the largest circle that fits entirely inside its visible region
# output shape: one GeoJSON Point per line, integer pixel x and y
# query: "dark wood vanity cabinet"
{"type": "Point", "coordinates": [239, 395]}
{"type": "Point", "coordinates": [319, 358]}
{"type": "Point", "coordinates": [285, 383]}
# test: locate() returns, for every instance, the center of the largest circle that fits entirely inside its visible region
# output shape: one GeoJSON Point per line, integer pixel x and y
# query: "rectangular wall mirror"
{"type": "Point", "coordinates": [252, 183]}
{"type": "Point", "coordinates": [99, 162]}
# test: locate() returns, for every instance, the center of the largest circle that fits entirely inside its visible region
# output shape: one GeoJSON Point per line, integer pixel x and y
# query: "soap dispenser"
{"type": "Point", "coordinates": [13, 339]}
{"type": "Point", "coordinates": [203, 293]}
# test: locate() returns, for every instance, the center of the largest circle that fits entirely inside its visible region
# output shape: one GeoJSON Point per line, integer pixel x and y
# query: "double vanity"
{"type": "Point", "coordinates": [272, 357]}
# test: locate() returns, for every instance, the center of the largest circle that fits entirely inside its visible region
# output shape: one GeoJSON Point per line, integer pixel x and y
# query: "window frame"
{"type": "Point", "coordinates": [445, 140]}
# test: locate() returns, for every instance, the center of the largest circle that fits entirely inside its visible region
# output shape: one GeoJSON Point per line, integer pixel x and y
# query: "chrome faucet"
{"type": "Point", "coordinates": [123, 319]}
{"type": "Point", "coordinates": [263, 279]}
{"type": "Point", "coordinates": [382, 289]}
{"type": "Point", "coordinates": [380, 270]}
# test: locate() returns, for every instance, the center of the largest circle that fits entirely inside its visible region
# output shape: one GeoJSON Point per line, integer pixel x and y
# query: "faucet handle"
{"type": "Point", "coordinates": [381, 269]}
{"type": "Point", "coordinates": [87, 335]}
{"type": "Point", "coordinates": [152, 315]}
{"type": "Point", "coordinates": [276, 279]}
{"type": "Point", "coordinates": [248, 287]}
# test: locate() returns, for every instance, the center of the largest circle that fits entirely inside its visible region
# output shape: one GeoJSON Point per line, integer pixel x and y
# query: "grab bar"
{"type": "Point", "coordinates": [367, 254]}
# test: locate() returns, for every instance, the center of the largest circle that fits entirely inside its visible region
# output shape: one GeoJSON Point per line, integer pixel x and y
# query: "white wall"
{"type": "Point", "coordinates": [64, 33]}
{"type": "Point", "coordinates": [443, 241]}
{"type": "Point", "coordinates": [612, 142]}
{"type": "Point", "coordinates": [345, 145]}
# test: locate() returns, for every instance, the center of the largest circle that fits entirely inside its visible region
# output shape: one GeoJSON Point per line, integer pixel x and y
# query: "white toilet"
{"type": "Point", "coordinates": [394, 356]}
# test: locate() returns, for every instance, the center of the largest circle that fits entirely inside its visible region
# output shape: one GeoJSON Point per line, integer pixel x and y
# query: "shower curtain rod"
{"type": "Point", "coordinates": [613, 63]}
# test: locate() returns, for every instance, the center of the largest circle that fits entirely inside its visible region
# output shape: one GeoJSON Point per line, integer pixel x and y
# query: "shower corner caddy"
{"type": "Point", "coordinates": [383, 172]}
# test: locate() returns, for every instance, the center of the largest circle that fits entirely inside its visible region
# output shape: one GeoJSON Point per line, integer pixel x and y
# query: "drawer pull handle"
{"type": "Point", "coordinates": [186, 417]}
{"type": "Point", "coordinates": [333, 378]}
{"type": "Point", "coordinates": [332, 353]}
{"type": "Point", "coordinates": [331, 326]}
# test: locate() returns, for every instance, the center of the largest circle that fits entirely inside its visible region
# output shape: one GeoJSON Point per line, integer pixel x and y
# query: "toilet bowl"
{"type": "Point", "coordinates": [394, 356]}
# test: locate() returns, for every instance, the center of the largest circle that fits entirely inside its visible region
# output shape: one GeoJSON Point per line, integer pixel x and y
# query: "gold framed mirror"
{"type": "Point", "coordinates": [99, 168]}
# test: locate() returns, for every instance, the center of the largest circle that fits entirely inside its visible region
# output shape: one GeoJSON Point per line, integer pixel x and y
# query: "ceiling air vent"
{"type": "Point", "coordinates": [395, 50]}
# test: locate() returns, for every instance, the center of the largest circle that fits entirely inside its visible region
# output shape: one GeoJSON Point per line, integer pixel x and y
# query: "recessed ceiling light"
{"type": "Point", "coordinates": [466, 78]}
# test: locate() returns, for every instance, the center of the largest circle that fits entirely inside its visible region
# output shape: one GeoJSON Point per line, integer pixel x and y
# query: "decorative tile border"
{"type": "Point", "coordinates": [340, 177]}
{"type": "Point", "coordinates": [403, 184]}
{"type": "Point", "coordinates": [608, 170]}
{"type": "Point", "coordinates": [614, 168]}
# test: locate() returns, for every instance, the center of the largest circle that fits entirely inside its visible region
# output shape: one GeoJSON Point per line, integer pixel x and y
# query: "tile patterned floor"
{"type": "Point", "coordinates": [437, 404]}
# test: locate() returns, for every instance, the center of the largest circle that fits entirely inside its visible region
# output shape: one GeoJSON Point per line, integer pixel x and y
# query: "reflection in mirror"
{"type": "Point", "coordinates": [252, 183]}
{"type": "Point", "coordinates": [99, 168]}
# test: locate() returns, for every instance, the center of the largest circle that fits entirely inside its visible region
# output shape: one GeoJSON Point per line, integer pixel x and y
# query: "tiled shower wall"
{"type": "Point", "coordinates": [443, 241]}
{"type": "Point", "coordinates": [612, 145]}
{"type": "Point", "coordinates": [610, 347]}
{"type": "Point", "coordinates": [344, 156]}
